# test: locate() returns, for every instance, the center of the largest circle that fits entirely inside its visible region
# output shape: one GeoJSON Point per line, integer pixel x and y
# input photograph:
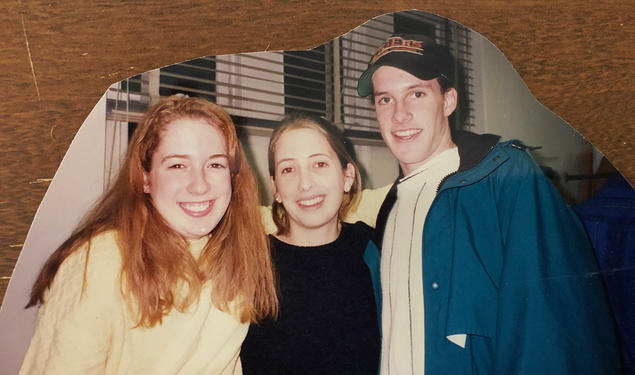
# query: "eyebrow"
{"type": "Point", "coordinates": [310, 156]}
{"type": "Point", "coordinates": [185, 156]}
{"type": "Point", "coordinates": [415, 86]}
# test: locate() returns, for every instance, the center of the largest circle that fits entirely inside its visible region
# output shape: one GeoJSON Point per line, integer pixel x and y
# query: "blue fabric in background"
{"type": "Point", "coordinates": [609, 217]}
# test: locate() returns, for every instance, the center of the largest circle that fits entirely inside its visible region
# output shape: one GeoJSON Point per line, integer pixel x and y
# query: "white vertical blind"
{"type": "Point", "coordinates": [252, 84]}
{"type": "Point", "coordinates": [357, 46]}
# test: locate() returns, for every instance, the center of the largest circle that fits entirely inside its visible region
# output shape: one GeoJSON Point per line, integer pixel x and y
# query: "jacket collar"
{"type": "Point", "coordinates": [473, 148]}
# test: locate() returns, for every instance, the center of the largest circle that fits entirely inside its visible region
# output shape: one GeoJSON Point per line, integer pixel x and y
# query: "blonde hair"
{"type": "Point", "coordinates": [156, 259]}
{"type": "Point", "coordinates": [338, 143]}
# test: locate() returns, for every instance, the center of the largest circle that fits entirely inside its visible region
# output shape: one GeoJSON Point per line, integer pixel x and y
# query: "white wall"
{"type": "Point", "coordinates": [77, 184]}
{"type": "Point", "coordinates": [510, 110]}
{"type": "Point", "coordinates": [380, 165]}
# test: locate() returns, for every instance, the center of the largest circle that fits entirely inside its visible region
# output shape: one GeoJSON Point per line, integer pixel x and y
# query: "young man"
{"type": "Point", "coordinates": [484, 269]}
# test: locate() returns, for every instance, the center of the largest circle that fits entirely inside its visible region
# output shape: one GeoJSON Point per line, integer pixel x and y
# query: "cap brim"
{"type": "Point", "coordinates": [365, 83]}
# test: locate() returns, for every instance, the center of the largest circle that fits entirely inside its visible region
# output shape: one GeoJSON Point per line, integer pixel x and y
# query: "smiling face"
{"type": "Point", "coordinates": [189, 179]}
{"type": "Point", "coordinates": [310, 182]}
{"type": "Point", "coordinates": [412, 115]}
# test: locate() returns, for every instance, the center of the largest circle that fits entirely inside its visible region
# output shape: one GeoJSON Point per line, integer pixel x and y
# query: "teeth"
{"type": "Point", "coordinates": [407, 133]}
{"type": "Point", "coordinates": [310, 202]}
{"type": "Point", "coordinates": [196, 207]}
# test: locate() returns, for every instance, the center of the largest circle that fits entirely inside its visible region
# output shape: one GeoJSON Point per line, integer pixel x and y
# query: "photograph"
{"type": "Point", "coordinates": [293, 211]}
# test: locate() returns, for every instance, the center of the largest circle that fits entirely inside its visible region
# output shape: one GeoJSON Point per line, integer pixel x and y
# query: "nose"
{"type": "Point", "coordinates": [402, 113]}
{"type": "Point", "coordinates": [306, 180]}
{"type": "Point", "coordinates": [198, 183]}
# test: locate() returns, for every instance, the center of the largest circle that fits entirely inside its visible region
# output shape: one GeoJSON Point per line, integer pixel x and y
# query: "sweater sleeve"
{"type": "Point", "coordinates": [267, 220]}
{"type": "Point", "coordinates": [75, 324]}
{"type": "Point", "coordinates": [368, 205]}
{"type": "Point", "coordinates": [552, 310]}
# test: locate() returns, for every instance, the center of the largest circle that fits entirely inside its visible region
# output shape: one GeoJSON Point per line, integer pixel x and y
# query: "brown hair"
{"type": "Point", "coordinates": [337, 142]}
{"type": "Point", "coordinates": [155, 259]}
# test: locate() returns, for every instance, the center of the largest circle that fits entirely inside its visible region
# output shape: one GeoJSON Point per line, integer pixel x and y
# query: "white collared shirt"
{"type": "Point", "coordinates": [403, 343]}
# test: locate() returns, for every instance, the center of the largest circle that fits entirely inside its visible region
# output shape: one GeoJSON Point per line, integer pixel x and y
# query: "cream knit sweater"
{"type": "Point", "coordinates": [92, 332]}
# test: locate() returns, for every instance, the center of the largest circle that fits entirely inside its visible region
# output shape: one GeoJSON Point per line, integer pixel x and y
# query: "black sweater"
{"type": "Point", "coordinates": [328, 321]}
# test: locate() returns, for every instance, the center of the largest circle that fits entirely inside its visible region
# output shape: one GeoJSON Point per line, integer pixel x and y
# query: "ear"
{"type": "Point", "coordinates": [449, 101]}
{"type": "Point", "coordinates": [146, 183]}
{"type": "Point", "coordinates": [349, 177]}
{"type": "Point", "coordinates": [276, 196]}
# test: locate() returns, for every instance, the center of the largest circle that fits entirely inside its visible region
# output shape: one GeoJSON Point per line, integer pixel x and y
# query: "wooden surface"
{"type": "Point", "coordinates": [58, 57]}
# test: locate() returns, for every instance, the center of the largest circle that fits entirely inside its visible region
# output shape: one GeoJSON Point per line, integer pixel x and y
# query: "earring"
{"type": "Point", "coordinates": [347, 187]}
{"type": "Point", "coordinates": [277, 198]}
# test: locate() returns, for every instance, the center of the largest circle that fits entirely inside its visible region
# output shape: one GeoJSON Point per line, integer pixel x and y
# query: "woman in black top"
{"type": "Point", "coordinates": [327, 321]}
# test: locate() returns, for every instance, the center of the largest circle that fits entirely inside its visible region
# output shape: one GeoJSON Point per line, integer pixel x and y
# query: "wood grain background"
{"type": "Point", "coordinates": [58, 57]}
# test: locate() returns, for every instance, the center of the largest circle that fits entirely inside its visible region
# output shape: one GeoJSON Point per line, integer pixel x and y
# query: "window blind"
{"type": "Point", "coordinates": [257, 89]}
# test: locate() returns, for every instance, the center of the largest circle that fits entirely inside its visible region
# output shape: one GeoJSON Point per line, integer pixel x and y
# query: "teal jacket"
{"type": "Point", "coordinates": [508, 263]}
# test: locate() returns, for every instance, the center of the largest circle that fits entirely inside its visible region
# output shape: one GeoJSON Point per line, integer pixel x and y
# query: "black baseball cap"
{"type": "Point", "coordinates": [416, 54]}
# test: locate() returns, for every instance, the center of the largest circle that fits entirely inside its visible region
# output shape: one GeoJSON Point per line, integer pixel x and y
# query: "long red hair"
{"type": "Point", "coordinates": [155, 259]}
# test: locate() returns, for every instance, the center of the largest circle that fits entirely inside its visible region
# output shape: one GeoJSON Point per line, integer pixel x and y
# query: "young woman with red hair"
{"type": "Point", "coordinates": [170, 267]}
